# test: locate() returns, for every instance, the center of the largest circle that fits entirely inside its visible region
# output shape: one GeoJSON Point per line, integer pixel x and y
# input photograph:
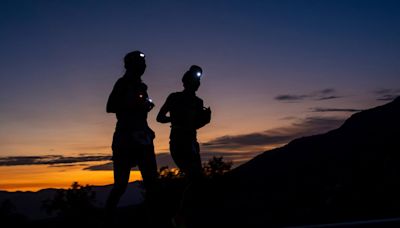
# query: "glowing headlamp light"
{"type": "Point", "coordinates": [196, 72]}
{"type": "Point", "coordinates": [149, 100]}
{"type": "Point", "coordinates": [141, 55]}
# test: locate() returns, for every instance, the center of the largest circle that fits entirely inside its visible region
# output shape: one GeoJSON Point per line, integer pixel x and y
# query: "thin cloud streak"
{"type": "Point", "coordinates": [272, 137]}
{"type": "Point", "coordinates": [165, 159]}
{"type": "Point", "coordinates": [290, 97]}
{"type": "Point", "coordinates": [325, 94]}
{"type": "Point", "coordinates": [48, 160]}
{"type": "Point", "coordinates": [335, 110]}
{"type": "Point", "coordinates": [327, 98]}
{"type": "Point", "coordinates": [387, 94]}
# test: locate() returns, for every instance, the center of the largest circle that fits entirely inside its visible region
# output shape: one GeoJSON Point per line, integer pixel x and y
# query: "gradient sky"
{"type": "Point", "coordinates": [273, 70]}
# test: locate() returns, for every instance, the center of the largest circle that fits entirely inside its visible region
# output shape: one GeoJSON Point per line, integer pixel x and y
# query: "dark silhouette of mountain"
{"type": "Point", "coordinates": [351, 173]}
{"type": "Point", "coordinates": [29, 204]}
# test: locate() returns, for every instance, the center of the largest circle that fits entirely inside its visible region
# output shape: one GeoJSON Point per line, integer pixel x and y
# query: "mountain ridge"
{"type": "Point", "coordinates": [345, 174]}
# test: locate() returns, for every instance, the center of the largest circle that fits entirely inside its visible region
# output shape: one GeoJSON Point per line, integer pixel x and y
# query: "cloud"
{"type": "Point", "coordinates": [335, 110]}
{"type": "Point", "coordinates": [165, 159]}
{"type": "Point", "coordinates": [327, 98]}
{"type": "Point", "coordinates": [325, 94]}
{"type": "Point", "coordinates": [86, 147]}
{"type": "Point", "coordinates": [290, 97]}
{"type": "Point", "coordinates": [387, 97]}
{"type": "Point", "coordinates": [327, 91]}
{"type": "Point", "coordinates": [277, 136]}
{"type": "Point", "coordinates": [67, 165]}
{"type": "Point", "coordinates": [49, 160]}
{"type": "Point", "coordinates": [101, 167]}
{"type": "Point", "coordinates": [253, 139]}
{"type": "Point", "coordinates": [387, 94]}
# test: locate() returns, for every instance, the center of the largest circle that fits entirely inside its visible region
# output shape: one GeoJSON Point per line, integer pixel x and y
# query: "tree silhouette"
{"type": "Point", "coordinates": [216, 167]}
{"type": "Point", "coordinates": [74, 201]}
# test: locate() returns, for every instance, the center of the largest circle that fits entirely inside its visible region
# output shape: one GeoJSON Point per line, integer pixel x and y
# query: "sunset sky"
{"type": "Point", "coordinates": [273, 71]}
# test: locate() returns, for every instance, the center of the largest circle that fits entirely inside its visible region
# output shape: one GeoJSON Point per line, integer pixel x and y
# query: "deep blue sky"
{"type": "Point", "coordinates": [268, 65]}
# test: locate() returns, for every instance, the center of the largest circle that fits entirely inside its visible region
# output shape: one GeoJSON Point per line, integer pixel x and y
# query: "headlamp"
{"type": "Point", "coordinates": [196, 71]}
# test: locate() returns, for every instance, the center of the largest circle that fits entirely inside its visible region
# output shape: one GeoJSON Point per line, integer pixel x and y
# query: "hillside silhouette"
{"type": "Point", "coordinates": [347, 174]}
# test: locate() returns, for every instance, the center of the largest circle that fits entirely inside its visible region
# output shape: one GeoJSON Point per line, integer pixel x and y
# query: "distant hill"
{"type": "Point", "coordinates": [349, 173]}
{"type": "Point", "coordinates": [29, 204]}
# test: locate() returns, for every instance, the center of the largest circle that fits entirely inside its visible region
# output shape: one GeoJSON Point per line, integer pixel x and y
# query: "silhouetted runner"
{"type": "Point", "coordinates": [186, 115]}
{"type": "Point", "coordinates": [133, 139]}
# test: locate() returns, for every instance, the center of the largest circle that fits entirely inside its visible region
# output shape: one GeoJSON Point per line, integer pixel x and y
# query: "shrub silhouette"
{"type": "Point", "coordinates": [216, 166]}
{"type": "Point", "coordinates": [169, 173]}
{"type": "Point", "coordinates": [74, 201]}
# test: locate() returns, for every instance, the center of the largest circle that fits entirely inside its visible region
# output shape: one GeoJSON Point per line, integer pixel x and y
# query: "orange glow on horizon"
{"type": "Point", "coordinates": [37, 177]}
{"type": "Point", "coordinates": [92, 141]}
